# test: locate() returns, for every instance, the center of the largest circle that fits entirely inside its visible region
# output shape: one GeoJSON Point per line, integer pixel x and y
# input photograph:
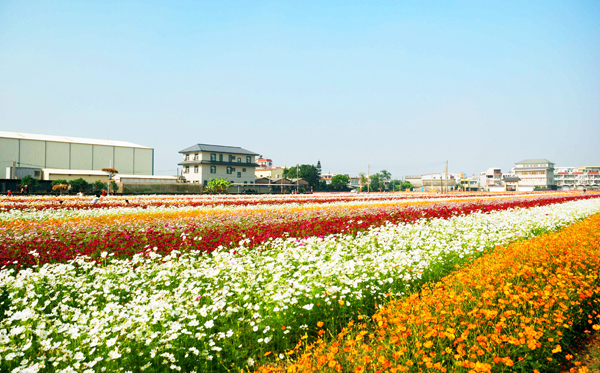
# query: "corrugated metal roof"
{"type": "Point", "coordinates": [217, 149]}
{"type": "Point", "coordinates": [534, 161]}
{"type": "Point", "coordinates": [74, 140]}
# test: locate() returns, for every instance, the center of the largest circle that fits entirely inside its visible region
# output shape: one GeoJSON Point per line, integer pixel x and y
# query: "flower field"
{"type": "Point", "coordinates": [517, 309]}
{"type": "Point", "coordinates": [229, 287]}
{"type": "Point", "coordinates": [61, 235]}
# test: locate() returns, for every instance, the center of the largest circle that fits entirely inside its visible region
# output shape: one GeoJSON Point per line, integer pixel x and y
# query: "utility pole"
{"type": "Point", "coordinates": [368, 179]}
{"type": "Point", "coordinates": [446, 176]}
{"type": "Point", "coordinates": [297, 179]}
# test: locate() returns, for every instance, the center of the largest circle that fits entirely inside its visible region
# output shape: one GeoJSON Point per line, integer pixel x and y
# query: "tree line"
{"type": "Point", "coordinates": [381, 181]}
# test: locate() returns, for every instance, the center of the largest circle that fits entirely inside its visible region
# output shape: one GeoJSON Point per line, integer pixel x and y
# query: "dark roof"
{"type": "Point", "coordinates": [217, 149]}
{"type": "Point", "coordinates": [511, 178]}
{"type": "Point", "coordinates": [534, 161]}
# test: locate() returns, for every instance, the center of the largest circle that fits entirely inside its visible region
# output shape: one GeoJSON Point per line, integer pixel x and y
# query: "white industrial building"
{"type": "Point", "coordinates": [62, 157]}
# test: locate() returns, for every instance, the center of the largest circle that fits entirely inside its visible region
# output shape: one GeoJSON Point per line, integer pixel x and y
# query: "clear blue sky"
{"type": "Point", "coordinates": [401, 86]}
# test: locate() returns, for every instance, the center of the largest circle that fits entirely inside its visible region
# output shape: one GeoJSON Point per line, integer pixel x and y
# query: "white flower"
{"type": "Point", "coordinates": [209, 324]}
{"type": "Point", "coordinates": [114, 354]}
{"type": "Point", "coordinates": [251, 361]}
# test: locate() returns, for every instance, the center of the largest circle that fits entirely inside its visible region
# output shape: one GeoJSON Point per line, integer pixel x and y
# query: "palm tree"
{"type": "Point", "coordinates": [363, 179]}
{"type": "Point", "coordinates": [385, 177]}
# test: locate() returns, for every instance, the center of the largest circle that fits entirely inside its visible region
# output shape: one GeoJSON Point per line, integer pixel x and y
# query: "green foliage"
{"type": "Point", "coordinates": [376, 183]}
{"type": "Point", "coordinates": [78, 185]}
{"type": "Point", "coordinates": [30, 182]}
{"type": "Point", "coordinates": [307, 172]}
{"type": "Point", "coordinates": [319, 169]}
{"type": "Point", "coordinates": [98, 186]}
{"type": "Point", "coordinates": [113, 186]}
{"type": "Point", "coordinates": [340, 182]}
{"type": "Point", "coordinates": [60, 181]}
{"type": "Point", "coordinates": [217, 186]}
{"type": "Point", "coordinates": [406, 185]}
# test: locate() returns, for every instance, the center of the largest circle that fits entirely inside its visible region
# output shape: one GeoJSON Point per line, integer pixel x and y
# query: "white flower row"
{"type": "Point", "coordinates": [192, 312]}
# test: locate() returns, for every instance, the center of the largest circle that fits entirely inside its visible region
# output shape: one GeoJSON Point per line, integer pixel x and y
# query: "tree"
{"type": "Point", "coordinates": [306, 172]}
{"type": "Point", "coordinates": [217, 186]}
{"type": "Point", "coordinates": [98, 186]}
{"type": "Point", "coordinates": [30, 182]}
{"type": "Point", "coordinates": [385, 177]}
{"type": "Point", "coordinates": [407, 185]}
{"type": "Point", "coordinates": [78, 185]}
{"type": "Point", "coordinates": [319, 169]}
{"type": "Point", "coordinates": [340, 182]}
{"type": "Point", "coordinates": [375, 182]}
{"type": "Point", "coordinates": [363, 179]}
{"type": "Point", "coordinates": [60, 181]}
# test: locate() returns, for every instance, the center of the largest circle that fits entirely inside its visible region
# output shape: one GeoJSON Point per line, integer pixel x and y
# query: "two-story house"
{"type": "Point", "coordinates": [202, 163]}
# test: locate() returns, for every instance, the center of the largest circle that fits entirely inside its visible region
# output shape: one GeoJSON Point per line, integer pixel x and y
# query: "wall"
{"type": "Point", "coordinates": [73, 156]}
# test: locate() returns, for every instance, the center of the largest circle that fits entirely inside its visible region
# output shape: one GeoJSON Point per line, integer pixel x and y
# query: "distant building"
{"type": "Point", "coordinates": [435, 181]}
{"type": "Point", "coordinates": [535, 173]}
{"type": "Point", "coordinates": [202, 163]}
{"type": "Point", "coordinates": [490, 178]}
{"type": "Point", "coordinates": [469, 183]}
{"type": "Point", "coordinates": [266, 169]}
{"type": "Point", "coordinates": [577, 177]}
{"type": "Point", "coordinates": [64, 157]}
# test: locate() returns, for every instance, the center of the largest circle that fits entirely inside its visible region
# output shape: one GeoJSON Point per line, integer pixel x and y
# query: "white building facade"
{"type": "Point", "coordinates": [577, 177]}
{"type": "Point", "coordinates": [535, 173]}
{"type": "Point", "coordinates": [203, 162]}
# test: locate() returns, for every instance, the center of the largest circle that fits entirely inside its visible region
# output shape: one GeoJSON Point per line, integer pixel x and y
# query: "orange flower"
{"type": "Point", "coordinates": [320, 324]}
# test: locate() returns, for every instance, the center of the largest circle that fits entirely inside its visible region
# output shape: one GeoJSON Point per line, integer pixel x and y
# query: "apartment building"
{"type": "Point", "coordinates": [492, 177]}
{"type": "Point", "coordinates": [573, 177]}
{"type": "Point", "coordinates": [203, 162]}
{"type": "Point", "coordinates": [535, 173]}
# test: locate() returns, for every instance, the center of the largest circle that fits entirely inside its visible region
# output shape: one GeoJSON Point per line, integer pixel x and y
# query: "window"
{"type": "Point", "coordinates": [195, 169]}
{"type": "Point", "coordinates": [187, 169]}
{"type": "Point", "coordinates": [220, 157]}
{"type": "Point", "coordinates": [239, 174]}
{"type": "Point", "coordinates": [205, 182]}
{"type": "Point", "coordinates": [196, 156]}
{"type": "Point", "coordinates": [229, 171]}
{"type": "Point", "coordinates": [248, 159]}
{"type": "Point", "coordinates": [243, 170]}
{"type": "Point", "coordinates": [213, 169]}
{"type": "Point", "coordinates": [233, 169]}
{"type": "Point", "coordinates": [231, 158]}
{"type": "Point", "coordinates": [186, 157]}
{"type": "Point", "coordinates": [239, 160]}
{"type": "Point", "coordinates": [213, 157]}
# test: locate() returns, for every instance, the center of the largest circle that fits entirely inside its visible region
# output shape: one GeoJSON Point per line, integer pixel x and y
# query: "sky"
{"type": "Point", "coordinates": [401, 86]}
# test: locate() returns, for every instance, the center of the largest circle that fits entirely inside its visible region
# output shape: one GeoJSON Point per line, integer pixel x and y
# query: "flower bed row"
{"type": "Point", "coordinates": [517, 309]}
{"type": "Point", "coordinates": [128, 235]}
{"type": "Point", "coordinates": [225, 311]}
{"type": "Point", "coordinates": [83, 203]}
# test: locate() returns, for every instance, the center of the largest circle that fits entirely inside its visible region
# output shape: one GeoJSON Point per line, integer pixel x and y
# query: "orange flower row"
{"type": "Point", "coordinates": [515, 309]}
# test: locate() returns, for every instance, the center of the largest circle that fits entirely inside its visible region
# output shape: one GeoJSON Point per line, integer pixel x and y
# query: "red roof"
{"type": "Point", "coordinates": [577, 173]}
{"type": "Point", "coordinates": [594, 173]}
{"type": "Point", "coordinates": [563, 173]}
